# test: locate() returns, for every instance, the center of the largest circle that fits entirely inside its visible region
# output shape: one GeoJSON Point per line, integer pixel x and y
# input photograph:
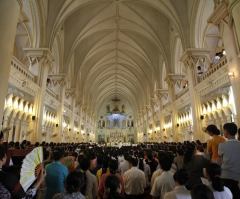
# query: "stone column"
{"type": "Point", "coordinates": [10, 136]}
{"type": "Point", "coordinates": [9, 12]}
{"type": "Point", "coordinates": [171, 94]}
{"type": "Point", "coordinates": [190, 59]}
{"type": "Point", "coordinates": [5, 125]}
{"type": "Point", "coordinates": [17, 130]}
{"type": "Point", "coordinates": [41, 59]}
{"type": "Point", "coordinates": [222, 16]}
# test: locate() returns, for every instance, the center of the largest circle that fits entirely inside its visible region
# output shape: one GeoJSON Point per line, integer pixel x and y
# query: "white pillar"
{"type": "Point", "coordinates": [9, 12]}
{"type": "Point", "coordinates": [40, 58]}
{"type": "Point", "coordinates": [17, 130]}
{"type": "Point", "coordinates": [190, 59]}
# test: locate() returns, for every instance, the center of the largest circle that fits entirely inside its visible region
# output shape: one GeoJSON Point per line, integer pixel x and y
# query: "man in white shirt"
{"type": "Point", "coordinates": [180, 191]}
{"type": "Point", "coordinates": [165, 182]}
{"type": "Point", "coordinates": [134, 181]}
{"type": "Point", "coordinates": [229, 152]}
{"type": "Point", "coordinates": [124, 165]}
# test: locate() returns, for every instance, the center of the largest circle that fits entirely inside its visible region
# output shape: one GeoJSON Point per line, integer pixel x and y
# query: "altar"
{"type": "Point", "coordinates": [116, 124]}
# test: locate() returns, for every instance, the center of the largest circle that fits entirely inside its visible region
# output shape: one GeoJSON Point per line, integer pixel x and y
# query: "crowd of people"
{"type": "Point", "coordinates": [188, 170]}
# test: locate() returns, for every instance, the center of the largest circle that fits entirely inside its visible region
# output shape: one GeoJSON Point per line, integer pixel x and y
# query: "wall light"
{"type": "Point", "coordinates": [231, 74]}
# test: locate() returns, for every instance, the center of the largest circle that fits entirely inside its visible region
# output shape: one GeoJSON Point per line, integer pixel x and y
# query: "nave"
{"type": "Point", "coordinates": [119, 99]}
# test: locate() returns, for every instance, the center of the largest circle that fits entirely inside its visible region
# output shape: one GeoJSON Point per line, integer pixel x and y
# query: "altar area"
{"type": "Point", "coordinates": [116, 124]}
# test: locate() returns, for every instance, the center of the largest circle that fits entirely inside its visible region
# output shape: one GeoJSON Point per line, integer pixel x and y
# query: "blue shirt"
{"type": "Point", "coordinates": [56, 175]}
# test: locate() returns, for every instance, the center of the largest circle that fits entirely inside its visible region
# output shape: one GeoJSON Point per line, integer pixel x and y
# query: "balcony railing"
{"type": "Point", "coordinates": [214, 68]}
{"type": "Point", "coordinates": [17, 65]}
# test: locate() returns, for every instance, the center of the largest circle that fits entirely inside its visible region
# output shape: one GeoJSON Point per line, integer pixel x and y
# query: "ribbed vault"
{"type": "Point", "coordinates": [116, 47]}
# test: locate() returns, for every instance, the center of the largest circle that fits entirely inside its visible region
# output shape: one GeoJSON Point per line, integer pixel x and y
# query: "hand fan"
{"type": "Point", "coordinates": [30, 163]}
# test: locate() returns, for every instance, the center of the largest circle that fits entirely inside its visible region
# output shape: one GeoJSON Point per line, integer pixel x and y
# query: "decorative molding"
{"type": "Point", "coordinates": [59, 79]}
{"type": "Point", "coordinates": [70, 92]}
{"type": "Point", "coordinates": [37, 55]}
{"type": "Point", "coordinates": [219, 14]}
{"type": "Point", "coordinates": [191, 56]}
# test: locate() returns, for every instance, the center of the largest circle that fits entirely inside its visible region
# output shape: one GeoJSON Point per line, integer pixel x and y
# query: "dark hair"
{"type": "Point", "coordinates": [113, 166]}
{"type": "Point", "coordinates": [2, 152]}
{"type": "Point", "coordinates": [181, 176]}
{"type": "Point", "coordinates": [85, 164]}
{"type": "Point", "coordinates": [239, 131]}
{"type": "Point", "coordinates": [75, 182]}
{"type": "Point", "coordinates": [133, 161]}
{"type": "Point", "coordinates": [112, 184]}
{"type": "Point", "coordinates": [180, 152]}
{"type": "Point", "coordinates": [188, 155]}
{"type": "Point", "coordinates": [58, 154]}
{"type": "Point", "coordinates": [201, 191]}
{"type": "Point", "coordinates": [213, 129]}
{"type": "Point", "coordinates": [231, 128]}
{"type": "Point", "coordinates": [165, 161]}
{"type": "Point", "coordinates": [214, 172]}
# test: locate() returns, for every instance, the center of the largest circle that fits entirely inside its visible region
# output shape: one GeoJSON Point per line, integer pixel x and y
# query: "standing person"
{"type": "Point", "coordinates": [194, 164]}
{"type": "Point", "coordinates": [202, 191]}
{"type": "Point", "coordinates": [124, 165]}
{"type": "Point", "coordinates": [212, 145]}
{"type": "Point", "coordinates": [91, 180]}
{"type": "Point", "coordinates": [56, 174]}
{"type": "Point", "coordinates": [178, 160]}
{"type": "Point", "coordinates": [134, 181]}
{"type": "Point", "coordinates": [74, 183]}
{"type": "Point", "coordinates": [213, 173]}
{"type": "Point", "coordinates": [142, 165]}
{"type": "Point", "coordinates": [113, 167]}
{"type": "Point", "coordinates": [230, 159]}
{"type": "Point", "coordinates": [113, 187]}
{"type": "Point", "coordinates": [179, 191]}
{"type": "Point", "coordinates": [165, 182]}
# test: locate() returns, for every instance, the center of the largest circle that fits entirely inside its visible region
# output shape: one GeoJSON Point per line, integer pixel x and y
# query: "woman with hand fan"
{"type": "Point", "coordinates": [10, 187]}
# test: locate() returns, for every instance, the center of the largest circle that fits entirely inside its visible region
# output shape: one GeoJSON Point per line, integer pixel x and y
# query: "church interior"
{"type": "Point", "coordinates": [118, 73]}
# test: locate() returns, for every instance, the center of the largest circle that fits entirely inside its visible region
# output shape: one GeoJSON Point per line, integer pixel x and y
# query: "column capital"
{"type": "Point", "coordinates": [37, 55]}
{"type": "Point", "coordinates": [173, 79]}
{"type": "Point", "coordinates": [70, 92]}
{"type": "Point", "coordinates": [162, 93]}
{"type": "Point", "coordinates": [191, 56]}
{"type": "Point", "coordinates": [59, 79]}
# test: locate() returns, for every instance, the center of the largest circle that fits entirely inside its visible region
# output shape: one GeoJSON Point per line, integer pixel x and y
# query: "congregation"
{"type": "Point", "coordinates": [188, 170]}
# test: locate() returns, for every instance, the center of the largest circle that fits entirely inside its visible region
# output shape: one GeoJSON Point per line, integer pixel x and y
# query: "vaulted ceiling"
{"type": "Point", "coordinates": [116, 47]}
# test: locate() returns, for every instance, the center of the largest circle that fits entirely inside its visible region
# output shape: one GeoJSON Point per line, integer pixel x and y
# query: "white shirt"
{"type": "Point", "coordinates": [229, 151]}
{"type": "Point", "coordinates": [163, 184]}
{"type": "Point", "coordinates": [124, 166]}
{"type": "Point", "coordinates": [155, 174]}
{"type": "Point", "coordinates": [91, 186]}
{"type": "Point", "coordinates": [225, 194]}
{"type": "Point", "coordinates": [179, 192]}
{"type": "Point", "coordinates": [134, 181]}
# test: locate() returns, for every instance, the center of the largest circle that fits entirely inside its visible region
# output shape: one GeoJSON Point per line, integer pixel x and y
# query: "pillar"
{"type": "Point", "coordinates": [10, 136]}
{"type": "Point", "coordinates": [41, 59]}
{"type": "Point", "coordinates": [9, 12]}
{"type": "Point", "coordinates": [17, 130]}
{"type": "Point", "coordinates": [171, 94]}
{"type": "Point", "coordinates": [190, 59]}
